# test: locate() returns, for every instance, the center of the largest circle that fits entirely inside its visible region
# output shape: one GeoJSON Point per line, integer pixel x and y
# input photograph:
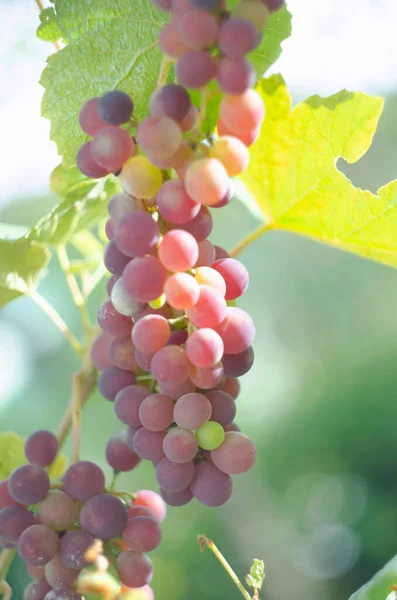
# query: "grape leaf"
{"type": "Point", "coordinates": [22, 264]}
{"type": "Point", "coordinates": [295, 181]}
{"type": "Point", "coordinates": [112, 45]}
{"type": "Point", "coordinates": [379, 586]}
{"type": "Point", "coordinates": [84, 205]}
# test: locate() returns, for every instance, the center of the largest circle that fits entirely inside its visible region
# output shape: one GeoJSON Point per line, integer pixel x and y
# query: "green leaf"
{"type": "Point", "coordinates": [277, 30]}
{"type": "Point", "coordinates": [49, 30]}
{"type": "Point", "coordinates": [58, 467]}
{"type": "Point", "coordinates": [66, 181]}
{"type": "Point", "coordinates": [22, 264]}
{"type": "Point", "coordinates": [76, 213]}
{"type": "Point", "coordinates": [256, 576]}
{"type": "Point", "coordinates": [379, 586]}
{"type": "Point", "coordinates": [113, 44]}
{"type": "Point", "coordinates": [295, 181]}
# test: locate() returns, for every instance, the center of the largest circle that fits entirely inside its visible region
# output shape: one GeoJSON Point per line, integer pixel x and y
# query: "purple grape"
{"type": "Point", "coordinates": [200, 227]}
{"type": "Point", "coordinates": [207, 4]}
{"type": "Point", "coordinates": [191, 411]}
{"type": "Point", "coordinates": [235, 275]}
{"type": "Point", "coordinates": [171, 101]}
{"type": "Point", "coordinates": [210, 486]}
{"type": "Point", "coordinates": [58, 575]}
{"type": "Point", "coordinates": [41, 448]}
{"type": "Point", "coordinates": [64, 593]}
{"type": "Point", "coordinates": [144, 278]}
{"type": "Point", "coordinates": [137, 233]}
{"type": "Point", "coordinates": [156, 412]}
{"type": "Point", "coordinates": [87, 165]}
{"type": "Point", "coordinates": [237, 37]}
{"type": "Point", "coordinates": [115, 261]}
{"type": "Point", "coordinates": [236, 455]}
{"type": "Point", "coordinates": [37, 590]}
{"type": "Point", "coordinates": [112, 147]}
{"type": "Point", "coordinates": [237, 365]}
{"type": "Point", "coordinates": [104, 516]}
{"type": "Point", "coordinates": [58, 510]}
{"type": "Point", "coordinates": [29, 484]}
{"type": "Point", "coordinates": [274, 5]}
{"type": "Point", "coordinates": [115, 107]}
{"type": "Point", "coordinates": [112, 322]}
{"type": "Point", "coordinates": [130, 434]}
{"type": "Point", "coordinates": [180, 445]}
{"type": "Point", "coordinates": [13, 522]}
{"type": "Point", "coordinates": [231, 386]}
{"type": "Point", "coordinates": [109, 228]}
{"type": "Point", "coordinates": [123, 204]}
{"type": "Point", "coordinates": [151, 333]}
{"type": "Point", "coordinates": [149, 444]}
{"type": "Point", "coordinates": [174, 477]}
{"type": "Point", "coordinates": [237, 330]}
{"type": "Point", "coordinates": [118, 454]}
{"type": "Point", "coordinates": [113, 380]}
{"type": "Point", "coordinates": [123, 302]}
{"type": "Point", "coordinates": [177, 338]}
{"type": "Point", "coordinates": [74, 547]}
{"type": "Point", "coordinates": [198, 29]}
{"type": "Point", "coordinates": [5, 498]}
{"type": "Point", "coordinates": [235, 75]}
{"type": "Point", "coordinates": [122, 353]}
{"type": "Point", "coordinates": [195, 69]}
{"type": "Point", "coordinates": [178, 499]}
{"type": "Point", "coordinates": [83, 480]}
{"type": "Point", "coordinates": [100, 354]}
{"type": "Point", "coordinates": [223, 407]}
{"type": "Point", "coordinates": [170, 365]}
{"type": "Point", "coordinates": [36, 572]}
{"type": "Point", "coordinates": [143, 360]}
{"type": "Point", "coordinates": [5, 544]}
{"type": "Point", "coordinates": [174, 203]}
{"type": "Point", "coordinates": [37, 545]}
{"type": "Point", "coordinates": [142, 534]}
{"type": "Point", "coordinates": [135, 570]}
{"type": "Point", "coordinates": [164, 5]}
{"type": "Point", "coordinates": [90, 121]}
{"type": "Point", "coordinates": [220, 252]}
{"type": "Point", "coordinates": [128, 402]}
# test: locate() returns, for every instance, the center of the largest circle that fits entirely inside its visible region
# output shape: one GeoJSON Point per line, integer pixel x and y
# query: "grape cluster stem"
{"type": "Point", "coordinates": [6, 558]}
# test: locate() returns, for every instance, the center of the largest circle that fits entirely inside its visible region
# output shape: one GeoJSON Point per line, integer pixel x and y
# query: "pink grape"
{"type": "Point", "coordinates": [100, 354]}
{"type": "Point", "coordinates": [195, 69]}
{"type": "Point", "coordinates": [237, 330]}
{"type": "Point", "coordinates": [112, 380]}
{"type": "Point", "coordinates": [207, 378]}
{"type": "Point", "coordinates": [135, 570]}
{"type": "Point", "coordinates": [227, 198]}
{"type": "Point", "coordinates": [191, 411]}
{"type": "Point", "coordinates": [231, 427]}
{"type": "Point", "coordinates": [144, 278]}
{"type": "Point", "coordinates": [198, 29]}
{"type": "Point", "coordinates": [142, 534]}
{"type": "Point", "coordinates": [211, 277]}
{"type": "Point", "coordinates": [152, 501]}
{"type": "Point", "coordinates": [119, 455]}
{"type": "Point", "coordinates": [115, 107]}
{"type": "Point", "coordinates": [121, 205]}
{"type": "Point", "coordinates": [235, 75]}
{"type": "Point", "coordinates": [244, 113]}
{"type": "Point", "coordinates": [156, 412]}
{"type": "Point", "coordinates": [182, 291]}
{"type": "Point", "coordinates": [177, 499]}
{"type": "Point", "coordinates": [150, 334]}
{"type": "Point", "coordinates": [139, 511]}
{"type": "Point", "coordinates": [5, 498]}
{"type": "Point", "coordinates": [200, 227]}
{"type": "Point", "coordinates": [170, 41]}
{"type": "Point", "coordinates": [180, 445]}
{"type": "Point", "coordinates": [236, 455]}
{"type": "Point", "coordinates": [170, 365]}
{"type": "Point", "coordinates": [210, 309]}
{"type": "Point", "coordinates": [83, 480]}
{"type": "Point", "coordinates": [37, 545]}
{"type": "Point", "coordinates": [149, 444]}
{"type": "Point", "coordinates": [112, 147]}
{"type": "Point", "coordinates": [58, 575]}
{"type": "Point", "coordinates": [232, 153]}
{"type": "Point", "coordinates": [211, 486]}
{"type": "Point", "coordinates": [112, 322]}
{"type": "Point", "coordinates": [89, 119]}
{"type": "Point", "coordinates": [137, 233]}
{"type": "Point", "coordinates": [122, 354]}
{"type": "Point", "coordinates": [174, 477]}
{"type": "Point", "coordinates": [180, 7]}
{"type": "Point", "coordinates": [28, 484]}
{"type": "Point", "coordinates": [223, 407]}
{"type": "Point", "coordinates": [159, 136]}
{"type": "Point", "coordinates": [171, 101]}
{"type": "Point", "coordinates": [115, 260]}
{"type": "Point", "coordinates": [128, 402]}
{"type": "Point", "coordinates": [235, 275]}
{"type": "Point", "coordinates": [206, 254]}
{"type": "Point", "coordinates": [204, 347]}
{"type": "Point", "coordinates": [103, 516]}
{"type": "Point", "coordinates": [174, 203]}
{"type": "Point", "coordinates": [237, 37]}
{"type": "Point", "coordinates": [189, 122]}
{"type": "Point", "coordinates": [87, 165]}
{"type": "Point", "coordinates": [110, 284]}
{"type": "Point", "coordinates": [35, 572]}
{"type": "Point", "coordinates": [248, 137]}
{"type": "Point", "coordinates": [37, 590]}
{"type": "Point", "coordinates": [176, 391]}
{"type": "Point", "coordinates": [237, 365]}
{"type": "Point", "coordinates": [178, 250]}
{"type": "Point", "coordinates": [109, 228]}
{"type": "Point", "coordinates": [41, 448]}
{"type": "Point", "coordinates": [207, 181]}
{"type": "Point", "coordinates": [143, 360]}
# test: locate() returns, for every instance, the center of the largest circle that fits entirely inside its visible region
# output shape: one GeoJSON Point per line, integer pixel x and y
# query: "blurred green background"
{"type": "Point", "coordinates": [320, 402]}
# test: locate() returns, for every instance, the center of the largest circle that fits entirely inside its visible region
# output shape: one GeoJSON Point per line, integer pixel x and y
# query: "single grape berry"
{"type": "Point", "coordinates": [41, 448]}
{"type": "Point", "coordinates": [115, 107]}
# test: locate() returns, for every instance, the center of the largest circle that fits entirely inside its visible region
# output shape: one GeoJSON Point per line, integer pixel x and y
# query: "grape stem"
{"type": "Point", "coordinates": [6, 558]}
{"type": "Point", "coordinates": [75, 291]}
{"type": "Point", "coordinates": [251, 237]}
{"type": "Point", "coordinates": [57, 320]}
{"type": "Point", "coordinates": [164, 70]}
{"type": "Point", "coordinates": [204, 541]}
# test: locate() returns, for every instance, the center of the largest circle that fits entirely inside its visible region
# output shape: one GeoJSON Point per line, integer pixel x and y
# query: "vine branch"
{"type": "Point", "coordinates": [251, 237]}
{"type": "Point", "coordinates": [204, 541]}
{"type": "Point", "coordinates": [6, 558]}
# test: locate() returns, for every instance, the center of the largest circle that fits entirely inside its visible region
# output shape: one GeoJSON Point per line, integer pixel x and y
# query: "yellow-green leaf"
{"type": "Point", "coordinates": [294, 178]}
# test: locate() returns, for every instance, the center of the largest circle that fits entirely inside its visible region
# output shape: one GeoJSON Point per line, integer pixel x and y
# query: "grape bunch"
{"type": "Point", "coordinates": [174, 343]}
{"type": "Point", "coordinates": [66, 532]}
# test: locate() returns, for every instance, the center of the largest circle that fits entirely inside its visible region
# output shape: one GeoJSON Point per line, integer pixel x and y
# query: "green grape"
{"type": "Point", "coordinates": [210, 436]}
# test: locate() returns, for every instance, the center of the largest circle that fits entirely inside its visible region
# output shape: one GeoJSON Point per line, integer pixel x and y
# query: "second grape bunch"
{"type": "Point", "coordinates": [174, 343]}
